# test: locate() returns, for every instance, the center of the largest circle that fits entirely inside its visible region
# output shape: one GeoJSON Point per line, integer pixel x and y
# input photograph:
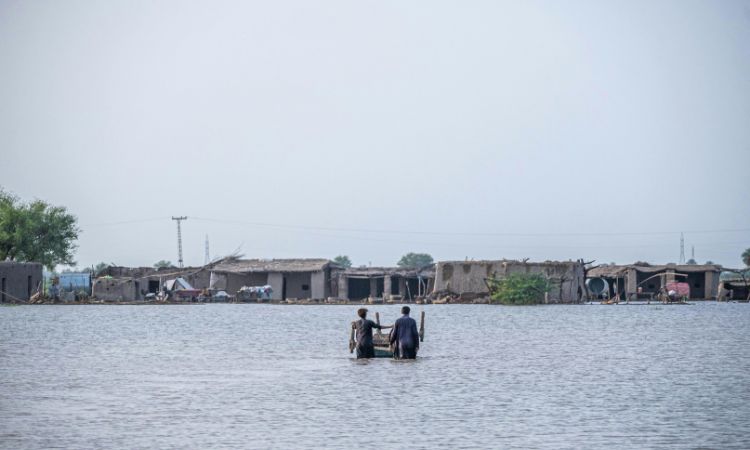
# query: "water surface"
{"type": "Point", "coordinates": [274, 376]}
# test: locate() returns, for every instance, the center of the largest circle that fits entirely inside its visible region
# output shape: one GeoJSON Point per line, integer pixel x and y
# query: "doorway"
{"type": "Point", "coordinates": [358, 288]}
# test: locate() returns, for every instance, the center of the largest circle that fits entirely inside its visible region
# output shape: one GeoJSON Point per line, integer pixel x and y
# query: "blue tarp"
{"type": "Point", "coordinates": [75, 281]}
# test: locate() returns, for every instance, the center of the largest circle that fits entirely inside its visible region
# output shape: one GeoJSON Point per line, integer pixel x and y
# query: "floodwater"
{"type": "Point", "coordinates": [272, 376]}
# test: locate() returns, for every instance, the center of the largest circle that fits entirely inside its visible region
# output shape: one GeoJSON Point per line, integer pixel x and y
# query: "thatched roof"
{"type": "Point", "coordinates": [270, 265]}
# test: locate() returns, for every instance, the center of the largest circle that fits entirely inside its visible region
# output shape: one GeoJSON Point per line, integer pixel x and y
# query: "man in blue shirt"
{"type": "Point", "coordinates": [405, 337]}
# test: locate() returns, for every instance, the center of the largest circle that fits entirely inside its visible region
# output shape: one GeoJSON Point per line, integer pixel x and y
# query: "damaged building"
{"type": "Point", "coordinates": [645, 280]}
{"type": "Point", "coordinates": [385, 283]}
{"type": "Point", "coordinates": [469, 278]}
{"type": "Point", "coordinates": [19, 281]}
{"type": "Point", "coordinates": [734, 286]}
{"type": "Point", "coordinates": [116, 283]}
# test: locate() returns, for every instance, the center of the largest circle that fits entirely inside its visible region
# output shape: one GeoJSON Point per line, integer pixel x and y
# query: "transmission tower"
{"type": "Point", "coordinates": [179, 237]}
{"type": "Point", "coordinates": [682, 248]}
{"type": "Point", "coordinates": [692, 252]}
{"type": "Point", "coordinates": [207, 259]}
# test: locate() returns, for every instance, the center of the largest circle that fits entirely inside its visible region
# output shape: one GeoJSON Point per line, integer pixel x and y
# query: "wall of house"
{"type": "Point", "coordinates": [469, 277]}
{"type": "Point", "coordinates": [200, 279]}
{"type": "Point", "coordinates": [114, 289]}
{"type": "Point", "coordinates": [295, 283]}
{"type": "Point", "coordinates": [19, 281]}
{"type": "Point", "coordinates": [318, 285]}
{"type": "Point", "coordinates": [276, 281]}
{"type": "Point", "coordinates": [712, 285]}
{"type": "Point", "coordinates": [343, 286]}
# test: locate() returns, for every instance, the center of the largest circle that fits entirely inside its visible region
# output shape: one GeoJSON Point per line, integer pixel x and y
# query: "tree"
{"type": "Point", "coordinates": [343, 261]}
{"type": "Point", "coordinates": [746, 257]}
{"type": "Point", "coordinates": [691, 262]}
{"type": "Point", "coordinates": [415, 260]}
{"type": "Point", "coordinates": [709, 262]}
{"type": "Point", "coordinates": [162, 264]}
{"type": "Point", "coordinates": [519, 289]}
{"type": "Point", "coordinates": [36, 232]}
{"type": "Point", "coordinates": [97, 269]}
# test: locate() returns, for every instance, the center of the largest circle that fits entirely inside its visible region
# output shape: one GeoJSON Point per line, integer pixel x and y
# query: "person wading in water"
{"type": "Point", "coordinates": [405, 337]}
{"type": "Point", "coordinates": [364, 327]}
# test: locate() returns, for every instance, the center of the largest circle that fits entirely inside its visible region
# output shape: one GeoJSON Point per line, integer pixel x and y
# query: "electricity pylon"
{"type": "Point", "coordinates": [179, 237]}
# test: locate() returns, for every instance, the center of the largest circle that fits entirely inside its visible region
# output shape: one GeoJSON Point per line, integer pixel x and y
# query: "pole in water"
{"type": "Point", "coordinates": [421, 327]}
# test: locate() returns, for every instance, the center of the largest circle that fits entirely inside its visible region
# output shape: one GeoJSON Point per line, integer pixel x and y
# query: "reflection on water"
{"type": "Point", "coordinates": [265, 376]}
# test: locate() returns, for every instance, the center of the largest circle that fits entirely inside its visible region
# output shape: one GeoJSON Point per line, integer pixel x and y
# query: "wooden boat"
{"type": "Point", "coordinates": [380, 340]}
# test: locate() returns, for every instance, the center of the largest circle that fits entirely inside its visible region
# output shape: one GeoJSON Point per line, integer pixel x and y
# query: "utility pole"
{"type": "Point", "coordinates": [207, 259]}
{"type": "Point", "coordinates": [682, 248]}
{"type": "Point", "coordinates": [179, 237]}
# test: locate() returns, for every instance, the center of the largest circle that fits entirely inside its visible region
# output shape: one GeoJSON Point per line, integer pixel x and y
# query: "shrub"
{"type": "Point", "coordinates": [518, 289]}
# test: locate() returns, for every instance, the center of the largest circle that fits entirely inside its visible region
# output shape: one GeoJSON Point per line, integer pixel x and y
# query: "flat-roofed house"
{"type": "Point", "coordinates": [288, 278]}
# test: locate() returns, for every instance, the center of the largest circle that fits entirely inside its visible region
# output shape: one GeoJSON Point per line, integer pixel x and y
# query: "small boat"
{"type": "Point", "coordinates": [381, 341]}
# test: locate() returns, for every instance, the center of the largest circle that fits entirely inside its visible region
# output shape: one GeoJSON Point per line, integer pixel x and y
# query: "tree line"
{"type": "Point", "coordinates": [409, 260]}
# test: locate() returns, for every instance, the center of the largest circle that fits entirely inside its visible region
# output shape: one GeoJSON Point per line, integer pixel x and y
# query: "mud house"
{"type": "Point", "coordinates": [468, 278]}
{"type": "Point", "coordinates": [645, 280]}
{"type": "Point", "coordinates": [288, 278]}
{"type": "Point", "coordinates": [19, 281]}
{"type": "Point", "coordinates": [134, 283]}
{"type": "Point", "coordinates": [384, 283]}
{"type": "Point", "coordinates": [734, 285]}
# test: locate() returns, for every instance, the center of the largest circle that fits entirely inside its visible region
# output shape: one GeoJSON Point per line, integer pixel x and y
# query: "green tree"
{"type": "Point", "coordinates": [519, 289]}
{"type": "Point", "coordinates": [36, 232]}
{"type": "Point", "coordinates": [162, 264]}
{"type": "Point", "coordinates": [691, 262]}
{"type": "Point", "coordinates": [415, 260]}
{"type": "Point", "coordinates": [343, 261]}
{"type": "Point", "coordinates": [746, 257]}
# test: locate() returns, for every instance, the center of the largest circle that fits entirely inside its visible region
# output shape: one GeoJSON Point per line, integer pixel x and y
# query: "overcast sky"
{"type": "Point", "coordinates": [487, 130]}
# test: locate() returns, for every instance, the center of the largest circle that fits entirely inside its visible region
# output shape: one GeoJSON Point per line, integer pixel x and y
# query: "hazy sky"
{"type": "Point", "coordinates": [548, 130]}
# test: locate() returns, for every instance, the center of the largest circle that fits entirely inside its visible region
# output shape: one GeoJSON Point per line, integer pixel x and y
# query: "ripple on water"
{"type": "Point", "coordinates": [280, 376]}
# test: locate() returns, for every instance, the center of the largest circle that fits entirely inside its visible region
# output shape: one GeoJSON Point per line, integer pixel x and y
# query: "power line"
{"type": "Point", "coordinates": [424, 232]}
{"type": "Point", "coordinates": [124, 222]}
{"type": "Point", "coordinates": [450, 233]}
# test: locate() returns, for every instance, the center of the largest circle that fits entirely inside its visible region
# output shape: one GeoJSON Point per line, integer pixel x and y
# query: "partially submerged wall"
{"type": "Point", "coordinates": [469, 277]}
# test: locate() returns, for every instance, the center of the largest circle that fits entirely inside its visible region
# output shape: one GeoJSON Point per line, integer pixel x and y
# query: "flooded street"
{"type": "Point", "coordinates": [273, 376]}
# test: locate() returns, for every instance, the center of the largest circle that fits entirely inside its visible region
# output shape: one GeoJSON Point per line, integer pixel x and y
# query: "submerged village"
{"type": "Point", "coordinates": [323, 281]}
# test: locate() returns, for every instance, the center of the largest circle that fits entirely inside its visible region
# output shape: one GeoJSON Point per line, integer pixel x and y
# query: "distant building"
{"type": "Point", "coordinates": [19, 281]}
{"type": "Point", "coordinates": [288, 278]}
{"type": "Point", "coordinates": [469, 278]}
{"type": "Point", "coordinates": [733, 286]}
{"type": "Point", "coordinates": [116, 283]}
{"type": "Point", "coordinates": [632, 281]}
{"type": "Point", "coordinates": [384, 283]}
